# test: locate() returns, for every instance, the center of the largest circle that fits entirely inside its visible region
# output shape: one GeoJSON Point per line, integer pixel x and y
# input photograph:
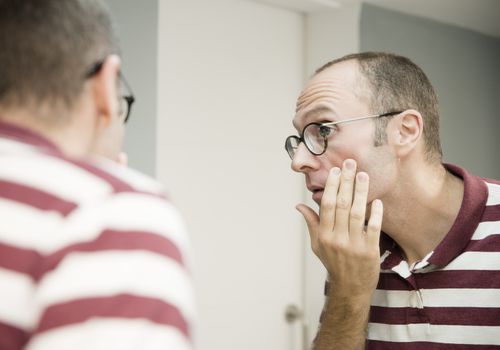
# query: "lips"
{"type": "Point", "coordinates": [317, 192]}
{"type": "Point", "coordinates": [314, 188]}
{"type": "Point", "coordinates": [317, 195]}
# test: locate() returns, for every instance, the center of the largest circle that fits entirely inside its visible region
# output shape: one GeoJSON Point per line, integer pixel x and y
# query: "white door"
{"type": "Point", "coordinates": [229, 74]}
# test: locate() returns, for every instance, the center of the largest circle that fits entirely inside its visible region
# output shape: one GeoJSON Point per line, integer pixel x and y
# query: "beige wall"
{"type": "Point", "coordinates": [229, 72]}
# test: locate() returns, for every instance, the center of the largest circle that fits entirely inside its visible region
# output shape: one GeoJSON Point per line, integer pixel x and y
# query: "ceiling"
{"type": "Point", "coordinates": [479, 15]}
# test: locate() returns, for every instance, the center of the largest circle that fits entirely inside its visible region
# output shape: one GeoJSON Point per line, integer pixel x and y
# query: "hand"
{"type": "Point", "coordinates": [122, 159]}
{"type": "Point", "coordinates": [338, 237]}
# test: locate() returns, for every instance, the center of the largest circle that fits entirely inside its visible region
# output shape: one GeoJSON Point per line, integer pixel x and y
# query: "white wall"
{"type": "Point", "coordinates": [331, 33]}
{"type": "Point", "coordinates": [229, 73]}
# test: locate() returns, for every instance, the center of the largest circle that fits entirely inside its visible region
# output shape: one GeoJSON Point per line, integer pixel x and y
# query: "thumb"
{"type": "Point", "coordinates": [312, 221]}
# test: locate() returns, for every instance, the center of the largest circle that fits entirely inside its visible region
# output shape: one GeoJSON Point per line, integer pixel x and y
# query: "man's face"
{"type": "Point", "coordinates": [331, 96]}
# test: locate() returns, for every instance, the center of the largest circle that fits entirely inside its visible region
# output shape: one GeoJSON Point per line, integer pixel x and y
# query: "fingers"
{"type": "Point", "coordinates": [344, 199]}
{"type": "Point", "coordinates": [343, 209]}
{"type": "Point", "coordinates": [312, 221]}
{"type": "Point", "coordinates": [358, 209]}
{"type": "Point", "coordinates": [329, 201]}
{"type": "Point", "coordinates": [122, 159]}
{"type": "Point", "coordinates": [375, 223]}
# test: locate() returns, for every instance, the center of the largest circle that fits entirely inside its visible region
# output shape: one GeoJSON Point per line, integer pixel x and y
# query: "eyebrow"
{"type": "Point", "coordinates": [318, 110]}
{"type": "Point", "coordinates": [311, 114]}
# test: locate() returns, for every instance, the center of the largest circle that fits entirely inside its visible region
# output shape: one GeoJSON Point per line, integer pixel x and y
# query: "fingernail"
{"type": "Point", "coordinates": [349, 164]}
{"type": "Point", "coordinates": [335, 171]}
{"type": "Point", "coordinates": [362, 177]}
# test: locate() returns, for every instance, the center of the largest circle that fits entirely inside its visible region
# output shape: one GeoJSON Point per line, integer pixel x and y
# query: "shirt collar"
{"type": "Point", "coordinates": [457, 238]}
{"type": "Point", "coordinates": [25, 135]}
{"type": "Point", "coordinates": [467, 220]}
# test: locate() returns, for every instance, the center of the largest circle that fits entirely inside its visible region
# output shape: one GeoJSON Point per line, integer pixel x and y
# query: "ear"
{"type": "Point", "coordinates": [104, 87]}
{"type": "Point", "coordinates": [406, 132]}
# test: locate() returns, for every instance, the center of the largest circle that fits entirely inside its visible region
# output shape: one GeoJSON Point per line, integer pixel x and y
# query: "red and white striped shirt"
{"type": "Point", "coordinates": [451, 299]}
{"type": "Point", "coordinates": [92, 255]}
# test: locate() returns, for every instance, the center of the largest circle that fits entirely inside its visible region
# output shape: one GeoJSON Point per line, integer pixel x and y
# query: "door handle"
{"type": "Point", "coordinates": [294, 314]}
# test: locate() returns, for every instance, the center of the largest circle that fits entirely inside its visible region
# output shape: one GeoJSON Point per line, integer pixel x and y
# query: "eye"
{"type": "Point", "coordinates": [325, 131]}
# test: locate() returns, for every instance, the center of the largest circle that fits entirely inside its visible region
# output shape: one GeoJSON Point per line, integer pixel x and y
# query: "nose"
{"type": "Point", "coordinates": [304, 161]}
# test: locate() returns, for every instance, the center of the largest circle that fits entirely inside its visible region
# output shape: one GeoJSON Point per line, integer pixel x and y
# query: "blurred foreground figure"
{"type": "Point", "coordinates": [92, 255]}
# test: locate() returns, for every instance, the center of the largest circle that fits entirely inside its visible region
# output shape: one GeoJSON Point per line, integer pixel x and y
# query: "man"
{"type": "Point", "coordinates": [92, 255]}
{"type": "Point", "coordinates": [369, 147]}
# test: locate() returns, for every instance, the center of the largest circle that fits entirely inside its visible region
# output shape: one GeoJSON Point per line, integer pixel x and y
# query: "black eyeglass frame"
{"type": "Point", "coordinates": [300, 138]}
{"type": "Point", "coordinates": [128, 98]}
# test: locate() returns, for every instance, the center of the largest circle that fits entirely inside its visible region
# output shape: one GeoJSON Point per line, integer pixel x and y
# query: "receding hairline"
{"type": "Point", "coordinates": [360, 83]}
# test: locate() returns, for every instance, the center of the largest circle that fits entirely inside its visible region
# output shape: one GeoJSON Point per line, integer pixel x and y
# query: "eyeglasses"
{"type": "Point", "coordinates": [125, 101]}
{"type": "Point", "coordinates": [315, 135]}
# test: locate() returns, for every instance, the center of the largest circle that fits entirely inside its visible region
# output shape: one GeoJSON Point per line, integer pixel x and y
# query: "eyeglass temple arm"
{"type": "Point", "coordinates": [125, 82]}
{"type": "Point", "coordinates": [361, 118]}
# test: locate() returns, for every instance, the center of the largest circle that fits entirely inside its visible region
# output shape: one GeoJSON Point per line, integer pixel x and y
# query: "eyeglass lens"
{"type": "Point", "coordinates": [291, 144]}
{"type": "Point", "coordinates": [315, 137]}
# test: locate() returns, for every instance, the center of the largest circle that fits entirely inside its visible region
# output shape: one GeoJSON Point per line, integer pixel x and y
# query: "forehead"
{"type": "Point", "coordinates": [333, 91]}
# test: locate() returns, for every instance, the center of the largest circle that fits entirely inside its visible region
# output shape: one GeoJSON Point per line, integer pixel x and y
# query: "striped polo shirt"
{"type": "Point", "coordinates": [451, 299]}
{"type": "Point", "coordinates": [92, 255]}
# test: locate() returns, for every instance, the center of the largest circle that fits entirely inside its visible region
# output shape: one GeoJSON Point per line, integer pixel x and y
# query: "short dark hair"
{"type": "Point", "coordinates": [396, 83]}
{"type": "Point", "coordinates": [46, 47]}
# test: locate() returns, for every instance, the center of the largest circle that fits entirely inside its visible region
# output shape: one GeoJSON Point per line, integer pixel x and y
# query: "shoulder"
{"type": "Point", "coordinates": [493, 187]}
{"type": "Point", "coordinates": [80, 199]}
{"type": "Point", "coordinates": [72, 180]}
{"type": "Point", "coordinates": [131, 202]}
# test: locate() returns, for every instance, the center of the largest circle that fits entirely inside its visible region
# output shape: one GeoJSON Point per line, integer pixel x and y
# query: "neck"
{"type": "Point", "coordinates": [422, 209]}
{"type": "Point", "coordinates": [70, 137]}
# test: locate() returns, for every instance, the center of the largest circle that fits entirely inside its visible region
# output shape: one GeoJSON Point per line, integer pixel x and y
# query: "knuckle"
{"type": "Point", "coordinates": [357, 215]}
{"type": "Point", "coordinates": [343, 203]}
{"type": "Point", "coordinates": [373, 227]}
{"type": "Point", "coordinates": [328, 204]}
{"type": "Point", "coordinates": [361, 189]}
{"type": "Point", "coordinates": [325, 240]}
{"type": "Point", "coordinates": [335, 245]}
{"type": "Point", "coordinates": [349, 176]}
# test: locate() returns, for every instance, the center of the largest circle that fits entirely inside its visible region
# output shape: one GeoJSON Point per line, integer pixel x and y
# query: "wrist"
{"type": "Point", "coordinates": [343, 322]}
{"type": "Point", "coordinates": [348, 295]}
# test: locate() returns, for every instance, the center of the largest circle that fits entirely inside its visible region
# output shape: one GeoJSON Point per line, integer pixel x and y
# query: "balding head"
{"type": "Point", "coordinates": [390, 82]}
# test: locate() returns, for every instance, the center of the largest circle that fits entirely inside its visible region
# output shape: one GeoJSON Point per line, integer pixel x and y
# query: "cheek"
{"type": "Point", "coordinates": [382, 168]}
{"type": "Point", "coordinates": [339, 150]}
{"type": "Point", "coordinates": [352, 143]}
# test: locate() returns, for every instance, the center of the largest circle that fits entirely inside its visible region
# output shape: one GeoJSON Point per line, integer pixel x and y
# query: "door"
{"type": "Point", "coordinates": [229, 74]}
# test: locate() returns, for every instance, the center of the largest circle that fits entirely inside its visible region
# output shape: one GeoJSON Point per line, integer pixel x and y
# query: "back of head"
{"type": "Point", "coordinates": [393, 83]}
{"type": "Point", "coordinates": [46, 48]}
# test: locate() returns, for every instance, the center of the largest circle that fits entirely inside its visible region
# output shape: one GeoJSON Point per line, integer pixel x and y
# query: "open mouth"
{"type": "Point", "coordinates": [317, 195]}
